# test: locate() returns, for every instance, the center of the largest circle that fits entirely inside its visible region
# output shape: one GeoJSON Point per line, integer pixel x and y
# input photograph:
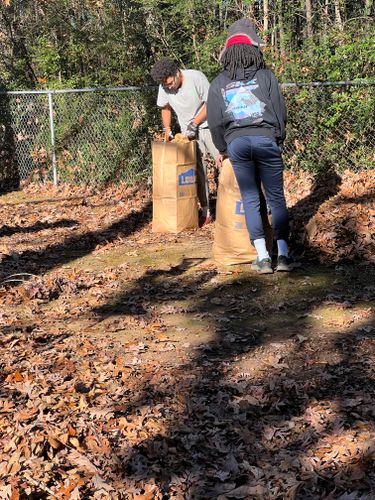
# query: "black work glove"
{"type": "Point", "coordinates": [191, 130]}
{"type": "Point", "coordinates": [280, 144]}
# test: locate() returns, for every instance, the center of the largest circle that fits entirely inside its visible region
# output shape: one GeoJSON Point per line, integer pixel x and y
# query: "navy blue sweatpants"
{"type": "Point", "coordinates": [252, 155]}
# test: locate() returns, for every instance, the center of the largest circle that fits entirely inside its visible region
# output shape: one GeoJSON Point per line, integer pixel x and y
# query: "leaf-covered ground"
{"type": "Point", "coordinates": [133, 367]}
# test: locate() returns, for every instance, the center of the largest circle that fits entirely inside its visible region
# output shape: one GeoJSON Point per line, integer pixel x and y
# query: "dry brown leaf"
{"type": "Point", "coordinates": [82, 462]}
{"type": "Point", "coordinates": [247, 491]}
{"type": "Point", "coordinates": [15, 377]}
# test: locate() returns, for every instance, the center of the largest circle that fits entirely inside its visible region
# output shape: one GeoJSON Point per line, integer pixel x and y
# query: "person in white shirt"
{"type": "Point", "coordinates": [185, 92]}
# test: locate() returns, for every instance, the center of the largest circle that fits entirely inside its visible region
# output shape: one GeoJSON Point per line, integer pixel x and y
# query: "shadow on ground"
{"type": "Point", "coordinates": [74, 247]}
{"type": "Point", "coordinates": [270, 406]}
{"type": "Point", "coordinates": [326, 184]}
{"type": "Point", "coordinates": [38, 226]}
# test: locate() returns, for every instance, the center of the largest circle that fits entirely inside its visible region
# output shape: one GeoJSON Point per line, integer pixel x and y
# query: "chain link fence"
{"type": "Point", "coordinates": [330, 126]}
{"type": "Point", "coordinates": [94, 136]}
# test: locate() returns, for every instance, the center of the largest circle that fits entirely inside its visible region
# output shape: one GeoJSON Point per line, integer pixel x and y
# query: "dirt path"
{"type": "Point", "coordinates": [133, 367]}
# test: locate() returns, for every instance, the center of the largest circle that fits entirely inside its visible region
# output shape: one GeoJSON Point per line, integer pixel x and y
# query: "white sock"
{"type": "Point", "coordinates": [260, 247]}
{"type": "Point", "coordinates": [282, 248]}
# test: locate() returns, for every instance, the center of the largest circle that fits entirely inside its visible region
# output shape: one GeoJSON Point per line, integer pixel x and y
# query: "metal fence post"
{"type": "Point", "coordinates": [52, 130]}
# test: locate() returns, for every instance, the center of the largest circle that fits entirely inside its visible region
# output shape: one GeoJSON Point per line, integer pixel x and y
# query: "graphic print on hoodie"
{"type": "Point", "coordinates": [241, 103]}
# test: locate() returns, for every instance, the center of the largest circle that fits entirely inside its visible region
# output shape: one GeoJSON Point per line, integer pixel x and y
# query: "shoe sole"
{"type": "Point", "coordinates": [283, 269]}
{"type": "Point", "coordinates": [262, 271]}
{"type": "Point", "coordinates": [287, 268]}
{"type": "Point", "coordinates": [266, 271]}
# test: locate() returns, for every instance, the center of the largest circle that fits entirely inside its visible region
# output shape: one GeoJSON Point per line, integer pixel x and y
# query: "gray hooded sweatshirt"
{"type": "Point", "coordinates": [251, 104]}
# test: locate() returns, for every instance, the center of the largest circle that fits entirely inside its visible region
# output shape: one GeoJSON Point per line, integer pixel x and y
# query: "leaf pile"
{"type": "Point", "coordinates": [132, 368]}
{"type": "Point", "coordinates": [334, 221]}
{"type": "Point", "coordinates": [87, 418]}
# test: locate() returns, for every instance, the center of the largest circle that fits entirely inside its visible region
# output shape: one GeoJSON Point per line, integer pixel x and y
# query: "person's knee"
{"type": "Point", "coordinates": [278, 203]}
{"type": "Point", "coordinates": [252, 200]}
{"type": "Point", "coordinates": [276, 197]}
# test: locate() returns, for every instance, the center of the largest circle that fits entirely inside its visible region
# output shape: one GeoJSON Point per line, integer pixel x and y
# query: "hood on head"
{"type": "Point", "coordinates": [242, 31]}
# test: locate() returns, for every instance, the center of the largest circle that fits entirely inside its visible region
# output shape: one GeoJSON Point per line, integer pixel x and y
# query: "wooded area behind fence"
{"type": "Point", "coordinates": [96, 136]}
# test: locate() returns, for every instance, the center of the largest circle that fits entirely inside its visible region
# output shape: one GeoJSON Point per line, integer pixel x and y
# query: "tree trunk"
{"type": "Point", "coordinates": [273, 33]}
{"type": "Point", "coordinates": [250, 11]}
{"type": "Point", "coordinates": [309, 27]}
{"type": "Point", "coordinates": [246, 9]}
{"type": "Point", "coordinates": [266, 15]}
{"type": "Point", "coordinates": [19, 52]}
{"type": "Point", "coordinates": [368, 6]}
{"type": "Point", "coordinates": [281, 27]}
{"type": "Point", "coordinates": [338, 18]}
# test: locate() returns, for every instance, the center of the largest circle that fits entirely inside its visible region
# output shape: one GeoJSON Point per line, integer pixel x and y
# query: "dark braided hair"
{"type": "Point", "coordinates": [240, 56]}
{"type": "Point", "coordinates": [164, 68]}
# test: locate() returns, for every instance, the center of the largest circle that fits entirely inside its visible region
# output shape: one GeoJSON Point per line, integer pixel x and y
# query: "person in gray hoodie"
{"type": "Point", "coordinates": [246, 115]}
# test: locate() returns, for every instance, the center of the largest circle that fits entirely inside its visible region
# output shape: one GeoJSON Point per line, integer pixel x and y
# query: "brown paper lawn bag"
{"type": "Point", "coordinates": [174, 169]}
{"type": "Point", "coordinates": [231, 241]}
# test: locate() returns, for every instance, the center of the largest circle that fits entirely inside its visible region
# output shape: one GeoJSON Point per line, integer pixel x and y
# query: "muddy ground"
{"type": "Point", "coordinates": [133, 366]}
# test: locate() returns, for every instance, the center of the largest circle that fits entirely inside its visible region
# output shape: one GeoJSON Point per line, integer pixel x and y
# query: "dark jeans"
{"type": "Point", "coordinates": [253, 156]}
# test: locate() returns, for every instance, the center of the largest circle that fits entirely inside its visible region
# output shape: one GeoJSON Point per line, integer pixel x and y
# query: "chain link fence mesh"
{"type": "Point", "coordinates": [105, 136]}
{"type": "Point", "coordinates": [25, 140]}
{"type": "Point", "coordinates": [330, 128]}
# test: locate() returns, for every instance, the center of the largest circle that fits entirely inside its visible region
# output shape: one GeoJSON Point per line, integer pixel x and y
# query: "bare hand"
{"type": "Point", "coordinates": [167, 135]}
{"type": "Point", "coordinates": [219, 161]}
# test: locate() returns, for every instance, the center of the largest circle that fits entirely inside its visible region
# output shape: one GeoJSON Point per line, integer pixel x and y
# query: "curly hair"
{"type": "Point", "coordinates": [164, 68]}
{"type": "Point", "coordinates": [241, 56]}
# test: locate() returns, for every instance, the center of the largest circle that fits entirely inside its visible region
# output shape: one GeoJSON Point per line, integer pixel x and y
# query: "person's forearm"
{"type": "Point", "coordinates": [201, 116]}
{"type": "Point", "coordinates": [166, 117]}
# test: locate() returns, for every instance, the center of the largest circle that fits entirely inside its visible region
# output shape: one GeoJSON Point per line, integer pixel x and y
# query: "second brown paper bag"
{"type": "Point", "coordinates": [231, 241]}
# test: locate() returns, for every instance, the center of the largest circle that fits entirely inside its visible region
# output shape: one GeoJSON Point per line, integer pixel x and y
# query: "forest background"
{"type": "Point", "coordinates": [105, 137]}
{"type": "Point", "coordinates": [80, 43]}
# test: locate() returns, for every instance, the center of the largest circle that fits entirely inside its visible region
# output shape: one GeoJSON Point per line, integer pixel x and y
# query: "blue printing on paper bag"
{"type": "Point", "coordinates": [187, 178]}
{"type": "Point", "coordinates": [239, 210]}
